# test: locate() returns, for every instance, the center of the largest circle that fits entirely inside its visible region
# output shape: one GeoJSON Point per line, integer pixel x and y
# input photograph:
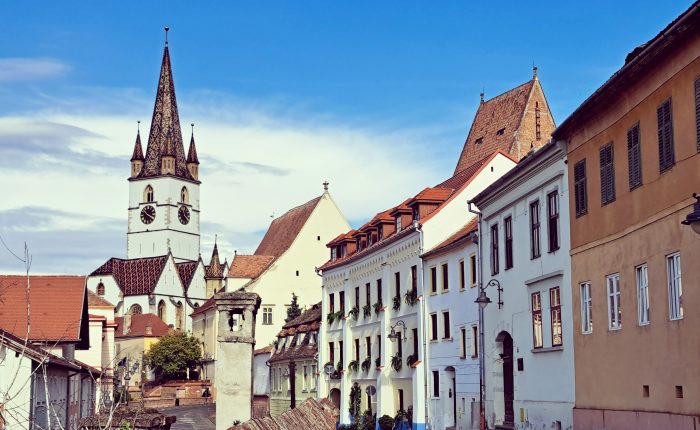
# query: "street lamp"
{"type": "Point", "coordinates": [483, 300]}
{"type": "Point", "coordinates": [394, 335]}
{"type": "Point", "coordinates": [693, 218]}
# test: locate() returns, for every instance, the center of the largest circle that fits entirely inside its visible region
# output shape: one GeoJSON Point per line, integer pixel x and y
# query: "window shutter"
{"type": "Point", "coordinates": [580, 187]}
{"type": "Point", "coordinates": [697, 113]}
{"type": "Point", "coordinates": [607, 174]}
{"type": "Point", "coordinates": [665, 134]}
{"type": "Point", "coordinates": [634, 157]}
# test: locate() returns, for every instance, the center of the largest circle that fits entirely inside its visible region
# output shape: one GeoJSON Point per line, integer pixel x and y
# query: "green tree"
{"type": "Point", "coordinates": [173, 354]}
{"type": "Point", "coordinates": [293, 310]}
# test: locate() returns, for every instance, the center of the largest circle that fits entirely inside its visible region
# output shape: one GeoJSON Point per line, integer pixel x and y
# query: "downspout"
{"type": "Point", "coordinates": [482, 371]}
{"type": "Point", "coordinates": [419, 229]}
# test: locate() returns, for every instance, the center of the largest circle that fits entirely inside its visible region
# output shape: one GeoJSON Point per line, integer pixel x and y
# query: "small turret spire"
{"type": "Point", "coordinates": [534, 71]}
{"type": "Point", "coordinates": [138, 149]}
{"type": "Point", "coordinates": [166, 35]}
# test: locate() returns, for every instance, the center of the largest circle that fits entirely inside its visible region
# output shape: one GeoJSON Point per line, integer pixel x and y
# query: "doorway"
{"type": "Point", "coordinates": [335, 397]}
{"type": "Point", "coordinates": [506, 356]}
{"type": "Point", "coordinates": [450, 405]}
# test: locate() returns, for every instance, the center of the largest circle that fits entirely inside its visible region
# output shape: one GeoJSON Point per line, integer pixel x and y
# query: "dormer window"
{"type": "Point", "coordinates": [416, 213]}
{"type": "Point", "coordinates": [500, 132]}
{"type": "Point", "coordinates": [100, 289]}
{"type": "Point", "coordinates": [380, 232]}
{"type": "Point", "coordinates": [479, 141]}
{"type": "Point", "coordinates": [334, 253]}
{"type": "Point", "coordinates": [359, 244]}
{"type": "Point", "coordinates": [398, 223]}
{"type": "Point", "coordinates": [148, 194]}
{"type": "Point", "coordinates": [370, 239]}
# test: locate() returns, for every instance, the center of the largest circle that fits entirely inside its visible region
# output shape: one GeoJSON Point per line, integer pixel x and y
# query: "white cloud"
{"type": "Point", "coordinates": [31, 69]}
{"type": "Point", "coordinates": [255, 161]}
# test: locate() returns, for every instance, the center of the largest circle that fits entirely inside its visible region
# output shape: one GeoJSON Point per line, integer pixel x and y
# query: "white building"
{"type": "Point", "coordinates": [528, 347]}
{"type": "Point", "coordinates": [373, 287]}
{"type": "Point", "coordinates": [450, 276]}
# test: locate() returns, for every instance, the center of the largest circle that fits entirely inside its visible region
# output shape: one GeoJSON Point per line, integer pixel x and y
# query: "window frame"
{"type": "Point", "coordinates": [537, 329]}
{"type": "Point", "coordinates": [580, 188]}
{"type": "Point", "coordinates": [642, 282]}
{"type": "Point", "coordinates": [474, 340]}
{"type": "Point", "coordinates": [508, 238]}
{"type": "Point", "coordinates": [494, 249]}
{"type": "Point", "coordinates": [444, 269]}
{"type": "Point", "coordinates": [267, 313]}
{"type": "Point", "coordinates": [614, 301]}
{"type": "Point", "coordinates": [535, 227]}
{"type": "Point", "coordinates": [555, 321]}
{"type": "Point", "coordinates": [434, 335]}
{"type": "Point", "coordinates": [462, 275]}
{"type": "Point", "coordinates": [436, 384]}
{"type": "Point", "coordinates": [433, 280]}
{"type": "Point", "coordinates": [667, 156]}
{"type": "Point", "coordinates": [675, 292]}
{"type": "Point", "coordinates": [607, 173]}
{"type": "Point", "coordinates": [634, 157]}
{"type": "Point", "coordinates": [446, 327]}
{"type": "Point", "coordinates": [473, 274]}
{"type": "Point", "coordinates": [553, 207]}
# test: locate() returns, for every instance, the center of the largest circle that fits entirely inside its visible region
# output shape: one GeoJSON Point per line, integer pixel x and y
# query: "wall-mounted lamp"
{"type": "Point", "coordinates": [393, 335]}
{"type": "Point", "coordinates": [693, 218]}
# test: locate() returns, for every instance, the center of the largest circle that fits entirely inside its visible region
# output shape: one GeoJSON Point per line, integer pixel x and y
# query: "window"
{"type": "Point", "coordinates": [341, 302]}
{"type": "Point", "coordinates": [397, 284]}
{"type": "Point", "coordinates": [536, 320]}
{"type": "Point", "coordinates": [357, 297]}
{"type": "Point", "coordinates": [416, 213]}
{"type": "Point", "coordinates": [697, 113]}
{"type": "Point", "coordinates": [135, 309]}
{"type": "Point", "coordinates": [436, 383]}
{"type": "Point", "coordinates": [357, 350]}
{"type": "Point", "coordinates": [634, 157]}
{"type": "Point", "coordinates": [379, 291]}
{"type": "Point", "coordinates": [398, 223]}
{"type": "Point", "coordinates": [368, 346]}
{"type": "Point", "coordinates": [508, 232]}
{"type": "Point", "coordinates": [331, 352]}
{"type": "Point", "coordinates": [607, 175]}
{"type": "Point", "coordinates": [400, 395]}
{"type": "Point", "coordinates": [161, 310]}
{"type": "Point", "coordinates": [586, 315]}
{"type": "Point", "coordinates": [184, 196]}
{"type": "Point", "coordinates": [675, 290]}
{"type": "Point", "coordinates": [433, 327]}
{"type": "Point", "coordinates": [100, 289]}
{"type": "Point", "coordinates": [304, 378]}
{"type": "Point", "coordinates": [446, 325]}
{"type": "Point", "coordinates": [334, 253]}
{"type": "Point", "coordinates": [553, 220]}
{"type": "Point", "coordinates": [494, 249]}
{"type": "Point", "coordinates": [614, 305]}
{"type": "Point", "coordinates": [368, 294]}
{"type": "Point", "coordinates": [399, 345]}
{"type": "Point", "coordinates": [379, 346]}
{"type": "Point", "coordinates": [500, 132]}
{"type": "Point", "coordinates": [475, 341]}
{"type": "Point", "coordinates": [580, 192]}
{"type": "Point", "coordinates": [479, 141]}
{"type": "Point", "coordinates": [380, 232]}
{"type": "Point", "coordinates": [642, 295]}
{"type": "Point", "coordinates": [415, 341]}
{"type": "Point", "coordinates": [555, 313]}
{"type": "Point", "coordinates": [433, 280]}
{"type": "Point", "coordinates": [462, 342]}
{"type": "Point", "coordinates": [267, 315]}
{"type": "Point", "coordinates": [664, 119]}
{"type": "Point", "coordinates": [462, 280]}
{"type": "Point", "coordinates": [340, 352]}
{"type": "Point", "coordinates": [445, 282]}
{"type": "Point", "coordinates": [148, 194]}
{"type": "Point", "coordinates": [414, 278]}
{"type": "Point", "coordinates": [535, 229]}
{"type": "Point", "coordinates": [472, 269]}
{"type": "Point", "coordinates": [331, 303]}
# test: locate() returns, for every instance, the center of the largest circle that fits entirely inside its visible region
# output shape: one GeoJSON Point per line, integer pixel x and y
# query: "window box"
{"type": "Point", "coordinates": [411, 359]}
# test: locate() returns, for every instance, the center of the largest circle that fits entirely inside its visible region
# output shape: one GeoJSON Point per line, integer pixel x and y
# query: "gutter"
{"type": "Point", "coordinates": [418, 227]}
{"type": "Point", "coordinates": [482, 360]}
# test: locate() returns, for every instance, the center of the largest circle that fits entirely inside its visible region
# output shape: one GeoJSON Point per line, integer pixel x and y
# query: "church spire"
{"type": "Point", "coordinates": [192, 160]}
{"type": "Point", "coordinates": [215, 269]}
{"type": "Point", "coordinates": [165, 127]}
{"type": "Point", "coordinates": [137, 156]}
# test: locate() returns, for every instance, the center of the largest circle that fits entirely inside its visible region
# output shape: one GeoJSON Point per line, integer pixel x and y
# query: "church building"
{"type": "Point", "coordinates": [163, 272]}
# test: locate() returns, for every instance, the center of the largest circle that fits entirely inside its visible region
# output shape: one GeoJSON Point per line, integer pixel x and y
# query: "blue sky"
{"type": "Point", "coordinates": [310, 89]}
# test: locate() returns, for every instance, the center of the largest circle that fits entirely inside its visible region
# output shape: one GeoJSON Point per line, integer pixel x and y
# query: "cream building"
{"type": "Point", "coordinates": [374, 303]}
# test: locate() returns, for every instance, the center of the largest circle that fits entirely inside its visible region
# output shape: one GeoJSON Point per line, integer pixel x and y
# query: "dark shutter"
{"type": "Point", "coordinates": [634, 157]}
{"type": "Point", "coordinates": [580, 197]}
{"type": "Point", "coordinates": [664, 118]}
{"type": "Point", "coordinates": [607, 174]}
{"type": "Point", "coordinates": [697, 113]}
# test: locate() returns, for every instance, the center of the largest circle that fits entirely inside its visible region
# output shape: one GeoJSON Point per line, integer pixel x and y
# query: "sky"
{"type": "Point", "coordinates": [374, 97]}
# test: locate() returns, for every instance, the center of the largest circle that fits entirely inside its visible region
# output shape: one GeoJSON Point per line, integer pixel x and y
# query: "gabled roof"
{"type": "Point", "coordinates": [249, 266]}
{"type": "Point", "coordinates": [135, 276]}
{"type": "Point", "coordinates": [165, 135]}
{"type": "Point", "coordinates": [139, 323]}
{"type": "Point", "coordinates": [285, 229]}
{"type": "Point", "coordinates": [138, 149]}
{"type": "Point", "coordinates": [97, 301]}
{"type": "Point", "coordinates": [57, 308]}
{"type": "Point", "coordinates": [309, 316]}
{"type": "Point", "coordinates": [185, 270]}
{"type": "Point", "coordinates": [497, 123]}
{"type": "Point", "coordinates": [459, 237]}
{"type": "Point", "coordinates": [303, 325]}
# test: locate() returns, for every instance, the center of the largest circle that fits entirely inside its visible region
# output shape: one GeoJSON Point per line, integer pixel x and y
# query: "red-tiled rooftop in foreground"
{"type": "Point", "coordinates": [249, 266]}
{"type": "Point", "coordinates": [285, 229]}
{"type": "Point", "coordinates": [139, 323]}
{"type": "Point", "coordinates": [98, 301]}
{"type": "Point", "coordinates": [57, 307]}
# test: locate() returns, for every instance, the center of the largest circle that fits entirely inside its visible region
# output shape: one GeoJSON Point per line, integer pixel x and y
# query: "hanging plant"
{"type": "Point", "coordinates": [366, 364]}
{"type": "Point", "coordinates": [330, 318]}
{"type": "Point", "coordinates": [396, 362]}
{"type": "Point", "coordinates": [339, 315]}
{"type": "Point", "coordinates": [378, 307]}
{"type": "Point", "coordinates": [354, 312]}
{"type": "Point", "coordinates": [355, 400]}
{"type": "Point", "coordinates": [367, 310]}
{"type": "Point", "coordinates": [411, 359]}
{"type": "Point", "coordinates": [353, 365]}
{"type": "Point", "coordinates": [411, 297]}
{"type": "Point", "coordinates": [396, 302]}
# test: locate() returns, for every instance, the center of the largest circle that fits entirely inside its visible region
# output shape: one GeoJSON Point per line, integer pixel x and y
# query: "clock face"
{"type": "Point", "coordinates": [183, 215]}
{"type": "Point", "coordinates": [148, 214]}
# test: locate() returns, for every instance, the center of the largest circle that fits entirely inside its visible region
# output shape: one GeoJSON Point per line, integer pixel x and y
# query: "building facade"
{"type": "Point", "coordinates": [450, 274]}
{"type": "Point", "coordinates": [525, 271]}
{"type": "Point", "coordinates": [633, 166]}
{"type": "Point", "coordinates": [373, 287]}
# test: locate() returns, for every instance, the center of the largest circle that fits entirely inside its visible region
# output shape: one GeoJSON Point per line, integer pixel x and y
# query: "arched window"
{"type": "Point", "coordinates": [148, 194]}
{"type": "Point", "coordinates": [184, 196]}
{"type": "Point", "coordinates": [180, 316]}
{"type": "Point", "coordinates": [135, 309]}
{"type": "Point", "coordinates": [161, 310]}
{"type": "Point", "coordinates": [100, 289]}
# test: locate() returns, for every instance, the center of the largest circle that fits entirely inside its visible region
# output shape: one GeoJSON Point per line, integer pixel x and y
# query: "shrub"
{"type": "Point", "coordinates": [386, 422]}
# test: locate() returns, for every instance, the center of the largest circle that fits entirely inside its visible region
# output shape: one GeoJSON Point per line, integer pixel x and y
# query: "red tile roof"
{"type": "Point", "coordinates": [58, 308]}
{"type": "Point", "coordinates": [208, 304]}
{"type": "Point", "coordinates": [139, 323]}
{"type": "Point", "coordinates": [285, 229]}
{"type": "Point", "coordinates": [312, 414]}
{"type": "Point", "coordinates": [97, 301]}
{"type": "Point", "coordinates": [136, 276]}
{"type": "Point", "coordinates": [458, 237]}
{"type": "Point", "coordinates": [249, 266]}
{"type": "Point", "coordinates": [265, 350]}
{"type": "Point", "coordinates": [435, 195]}
{"type": "Point", "coordinates": [503, 112]}
{"type": "Point", "coordinates": [186, 271]}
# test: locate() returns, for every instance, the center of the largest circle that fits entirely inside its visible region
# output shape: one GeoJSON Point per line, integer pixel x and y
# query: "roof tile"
{"type": "Point", "coordinates": [139, 322]}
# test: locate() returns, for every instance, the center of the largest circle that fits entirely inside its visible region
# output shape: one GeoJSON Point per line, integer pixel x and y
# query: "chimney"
{"type": "Point", "coordinates": [149, 329]}
{"type": "Point", "coordinates": [127, 324]}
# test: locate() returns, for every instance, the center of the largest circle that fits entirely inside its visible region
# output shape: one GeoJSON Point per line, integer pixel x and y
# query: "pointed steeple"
{"type": "Point", "coordinates": [192, 160]}
{"type": "Point", "coordinates": [137, 156]}
{"type": "Point", "coordinates": [215, 270]}
{"type": "Point", "coordinates": [165, 127]}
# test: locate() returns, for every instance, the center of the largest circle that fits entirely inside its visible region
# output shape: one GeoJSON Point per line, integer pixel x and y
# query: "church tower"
{"type": "Point", "coordinates": [164, 184]}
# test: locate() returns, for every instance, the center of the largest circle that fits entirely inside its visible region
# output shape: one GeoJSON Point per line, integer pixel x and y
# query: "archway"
{"type": "Point", "coordinates": [335, 397]}
{"type": "Point", "coordinates": [505, 341]}
{"type": "Point", "coordinates": [161, 311]}
{"type": "Point", "coordinates": [450, 406]}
